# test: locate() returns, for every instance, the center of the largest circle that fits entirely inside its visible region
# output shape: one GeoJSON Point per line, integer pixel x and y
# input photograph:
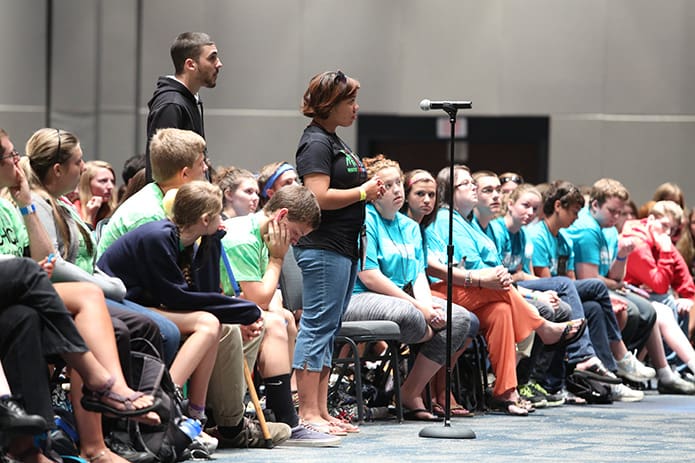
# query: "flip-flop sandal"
{"type": "Point", "coordinates": [92, 401]}
{"type": "Point", "coordinates": [565, 338]}
{"type": "Point", "coordinates": [420, 414]}
{"type": "Point", "coordinates": [599, 373]}
{"type": "Point", "coordinates": [503, 406]}
{"type": "Point", "coordinates": [457, 411]}
{"type": "Point", "coordinates": [345, 426]}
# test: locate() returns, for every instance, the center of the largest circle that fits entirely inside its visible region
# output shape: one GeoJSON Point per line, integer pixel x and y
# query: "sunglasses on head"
{"type": "Point", "coordinates": [511, 178]}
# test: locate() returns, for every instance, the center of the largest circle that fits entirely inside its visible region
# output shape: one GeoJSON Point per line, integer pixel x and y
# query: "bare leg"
{"type": "Point", "coordinates": [308, 383]}
{"type": "Point", "coordinates": [196, 357]}
{"type": "Point", "coordinates": [271, 362]}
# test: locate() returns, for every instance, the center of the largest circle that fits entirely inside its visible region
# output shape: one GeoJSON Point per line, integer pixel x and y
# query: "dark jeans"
{"type": "Point", "coordinates": [602, 324]}
{"type": "Point", "coordinates": [641, 317]}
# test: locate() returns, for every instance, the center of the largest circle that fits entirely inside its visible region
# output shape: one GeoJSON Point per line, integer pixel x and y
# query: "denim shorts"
{"type": "Point", "coordinates": [328, 279]}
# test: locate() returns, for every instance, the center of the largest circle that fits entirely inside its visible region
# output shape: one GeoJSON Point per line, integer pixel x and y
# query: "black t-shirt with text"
{"type": "Point", "coordinates": [321, 152]}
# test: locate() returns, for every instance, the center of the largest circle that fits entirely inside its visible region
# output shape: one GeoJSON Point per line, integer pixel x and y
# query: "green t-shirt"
{"type": "Point", "coordinates": [143, 207]}
{"type": "Point", "coordinates": [84, 259]}
{"type": "Point", "coordinates": [13, 234]}
{"type": "Point", "coordinates": [247, 253]}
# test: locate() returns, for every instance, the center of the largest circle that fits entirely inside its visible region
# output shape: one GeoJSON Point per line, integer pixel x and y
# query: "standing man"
{"type": "Point", "coordinates": [175, 102]}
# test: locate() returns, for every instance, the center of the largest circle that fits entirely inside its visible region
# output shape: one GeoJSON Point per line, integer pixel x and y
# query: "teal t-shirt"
{"type": "Point", "coordinates": [246, 250]}
{"type": "Point", "coordinates": [394, 247]}
{"type": "Point", "coordinates": [549, 251]}
{"type": "Point", "coordinates": [473, 249]}
{"type": "Point", "coordinates": [143, 207]}
{"type": "Point", "coordinates": [514, 249]}
{"type": "Point", "coordinates": [13, 234]}
{"type": "Point", "coordinates": [591, 244]}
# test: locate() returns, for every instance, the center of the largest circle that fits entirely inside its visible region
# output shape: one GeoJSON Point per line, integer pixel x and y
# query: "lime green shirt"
{"type": "Point", "coordinates": [247, 253]}
{"type": "Point", "coordinates": [13, 234]}
{"type": "Point", "coordinates": [143, 207]}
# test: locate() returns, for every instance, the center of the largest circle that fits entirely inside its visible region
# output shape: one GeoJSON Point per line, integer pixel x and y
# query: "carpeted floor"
{"type": "Point", "coordinates": [659, 429]}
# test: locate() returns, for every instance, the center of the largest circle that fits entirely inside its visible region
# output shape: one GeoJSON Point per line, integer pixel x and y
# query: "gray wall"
{"type": "Point", "coordinates": [615, 76]}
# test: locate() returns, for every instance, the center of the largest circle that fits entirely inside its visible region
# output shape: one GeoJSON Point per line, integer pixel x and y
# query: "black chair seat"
{"type": "Point", "coordinates": [372, 330]}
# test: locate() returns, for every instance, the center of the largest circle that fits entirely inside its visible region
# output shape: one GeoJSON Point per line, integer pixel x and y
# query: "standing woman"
{"type": "Point", "coordinates": [328, 256]}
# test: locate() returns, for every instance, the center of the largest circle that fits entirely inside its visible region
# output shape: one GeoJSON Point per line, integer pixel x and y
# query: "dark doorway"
{"type": "Point", "coordinates": [500, 144]}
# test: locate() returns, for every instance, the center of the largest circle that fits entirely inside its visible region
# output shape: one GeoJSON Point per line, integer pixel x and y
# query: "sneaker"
{"type": "Point", "coordinates": [252, 435]}
{"type": "Point", "coordinates": [622, 393]}
{"type": "Point", "coordinates": [677, 386]}
{"type": "Point", "coordinates": [206, 441]}
{"type": "Point", "coordinates": [632, 369]}
{"type": "Point", "coordinates": [305, 436]}
{"type": "Point", "coordinates": [537, 399]}
{"type": "Point", "coordinates": [553, 400]}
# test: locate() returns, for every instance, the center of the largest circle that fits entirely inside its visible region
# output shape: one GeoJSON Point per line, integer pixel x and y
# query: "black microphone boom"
{"type": "Point", "coordinates": [426, 105]}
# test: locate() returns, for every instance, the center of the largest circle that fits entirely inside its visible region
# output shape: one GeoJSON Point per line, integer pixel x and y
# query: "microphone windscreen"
{"type": "Point", "coordinates": [425, 105]}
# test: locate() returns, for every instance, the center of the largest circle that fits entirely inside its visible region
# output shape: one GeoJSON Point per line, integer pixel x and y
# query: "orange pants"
{"type": "Point", "coordinates": [505, 319]}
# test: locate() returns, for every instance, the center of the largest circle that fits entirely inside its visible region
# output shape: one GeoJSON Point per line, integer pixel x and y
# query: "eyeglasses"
{"type": "Point", "coordinates": [466, 184]}
{"type": "Point", "coordinates": [511, 178]}
{"type": "Point", "coordinates": [14, 154]}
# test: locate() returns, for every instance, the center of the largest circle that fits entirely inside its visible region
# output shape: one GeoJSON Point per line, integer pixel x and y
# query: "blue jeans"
{"type": "Point", "coordinates": [602, 324]}
{"type": "Point", "coordinates": [171, 337]}
{"type": "Point", "coordinates": [567, 291]}
{"type": "Point", "coordinates": [328, 280]}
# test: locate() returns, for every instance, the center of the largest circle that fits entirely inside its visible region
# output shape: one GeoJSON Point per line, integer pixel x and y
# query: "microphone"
{"type": "Point", "coordinates": [426, 104]}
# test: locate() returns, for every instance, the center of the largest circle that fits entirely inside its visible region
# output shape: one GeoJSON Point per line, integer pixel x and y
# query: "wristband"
{"type": "Point", "coordinates": [363, 194]}
{"type": "Point", "coordinates": [621, 259]}
{"type": "Point", "coordinates": [30, 209]}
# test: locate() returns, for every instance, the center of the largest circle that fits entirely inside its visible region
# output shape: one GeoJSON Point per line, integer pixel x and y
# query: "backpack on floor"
{"type": "Point", "coordinates": [165, 441]}
{"type": "Point", "coordinates": [594, 392]}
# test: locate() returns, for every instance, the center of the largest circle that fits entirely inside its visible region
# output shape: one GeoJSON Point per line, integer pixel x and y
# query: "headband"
{"type": "Point", "coordinates": [419, 177]}
{"type": "Point", "coordinates": [282, 168]}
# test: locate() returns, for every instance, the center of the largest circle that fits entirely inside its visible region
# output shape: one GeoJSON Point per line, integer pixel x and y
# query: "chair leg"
{"type": "Point", "coordinates": [394, 347]}
{"type": "Point", "coordinates": [358, 377]}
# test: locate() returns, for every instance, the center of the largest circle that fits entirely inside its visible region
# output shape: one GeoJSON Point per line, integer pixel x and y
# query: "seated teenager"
{"type": "Point", "coordinates": [181, 277]}
{"type": "Point", "coordinates": [484, 286]}
{"type": "Point", "coordinates": [178, 157]}
{"type": "Point", "coordinates": [599, 253]}
{"type": "Point", "coordinates": [54, 165]}
{"type": "Point", "coordinates": [240, 190]}
{"type": "Point", "coordinates": [553, 255]}
{"type": "Point", "coordinates": [84, 300]}
{"type": "Point", "coordinates": [272, 177]}
{"type": "Point", "coordinates": [654, 264]}
{"type": "Point", "coordinates": [393, 286]}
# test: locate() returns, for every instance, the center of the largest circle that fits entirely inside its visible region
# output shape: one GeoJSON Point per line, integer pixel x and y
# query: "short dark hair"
{"type": "Point", "coordinates": [188, 45]}
{"type": "Point", "coordinates": [565, 192]}
{"type": "Point", "coordinates": [300, 202]}
{"type": "Point", "coordinates": [132, 165]}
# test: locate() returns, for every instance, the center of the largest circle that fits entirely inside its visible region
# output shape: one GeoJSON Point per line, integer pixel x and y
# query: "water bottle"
{"type": "Point", "coordinates": [190, 427]}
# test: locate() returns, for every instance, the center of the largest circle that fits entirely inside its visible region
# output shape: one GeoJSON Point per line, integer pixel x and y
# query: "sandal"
{"type": "Point", "coordinates": [457, 411]}
{"type": "Point", "coordinates": [505, 406]}
{"type": "Point", "coordinates": [92, 401]}
{"type": "Point", "coordinates": [565, 338]}
{"type": "Point", "coordinates": [599, 373]}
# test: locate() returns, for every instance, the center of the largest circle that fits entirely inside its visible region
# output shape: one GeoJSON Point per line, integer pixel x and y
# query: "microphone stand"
{"type": "Point", "coordinates": [447, 432]}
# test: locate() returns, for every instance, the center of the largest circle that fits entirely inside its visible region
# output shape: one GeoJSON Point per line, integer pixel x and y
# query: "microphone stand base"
{"type": "Point", "coordinates": [447, 432]}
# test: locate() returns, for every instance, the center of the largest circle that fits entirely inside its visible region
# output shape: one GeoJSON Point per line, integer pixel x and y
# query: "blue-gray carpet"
{"type": "Point", "coordinates": [659, 429]}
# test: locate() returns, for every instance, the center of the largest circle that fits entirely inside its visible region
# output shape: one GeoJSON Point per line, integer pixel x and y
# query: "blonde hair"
{"type": "Point", "coordinates": [85, 190]}
{"type": "Point", "coordinates": [45, 148]}
{"type": "Point", "coordinates": [606, 188]}
{"type": "Point", "coordinates": [173, 149]}
{"type": "Point", "coordinates": [669, 191]}
{"type": "Point", "coordinates": [670, 208]}
{"type": "Point", "coordinates": [516, 193]}
{"type": "Point", "coordinates": [195, 199]}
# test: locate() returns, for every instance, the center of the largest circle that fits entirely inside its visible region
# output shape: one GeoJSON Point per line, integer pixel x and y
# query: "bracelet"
{"type": "Point", "coordinates": [363, 194]}
{"type": "Point", "coordinates": [621, 259]}
{"type": "Point", "coordinates": [468, 280]}
{"type": "Point", "coordinates": [30, 209]}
